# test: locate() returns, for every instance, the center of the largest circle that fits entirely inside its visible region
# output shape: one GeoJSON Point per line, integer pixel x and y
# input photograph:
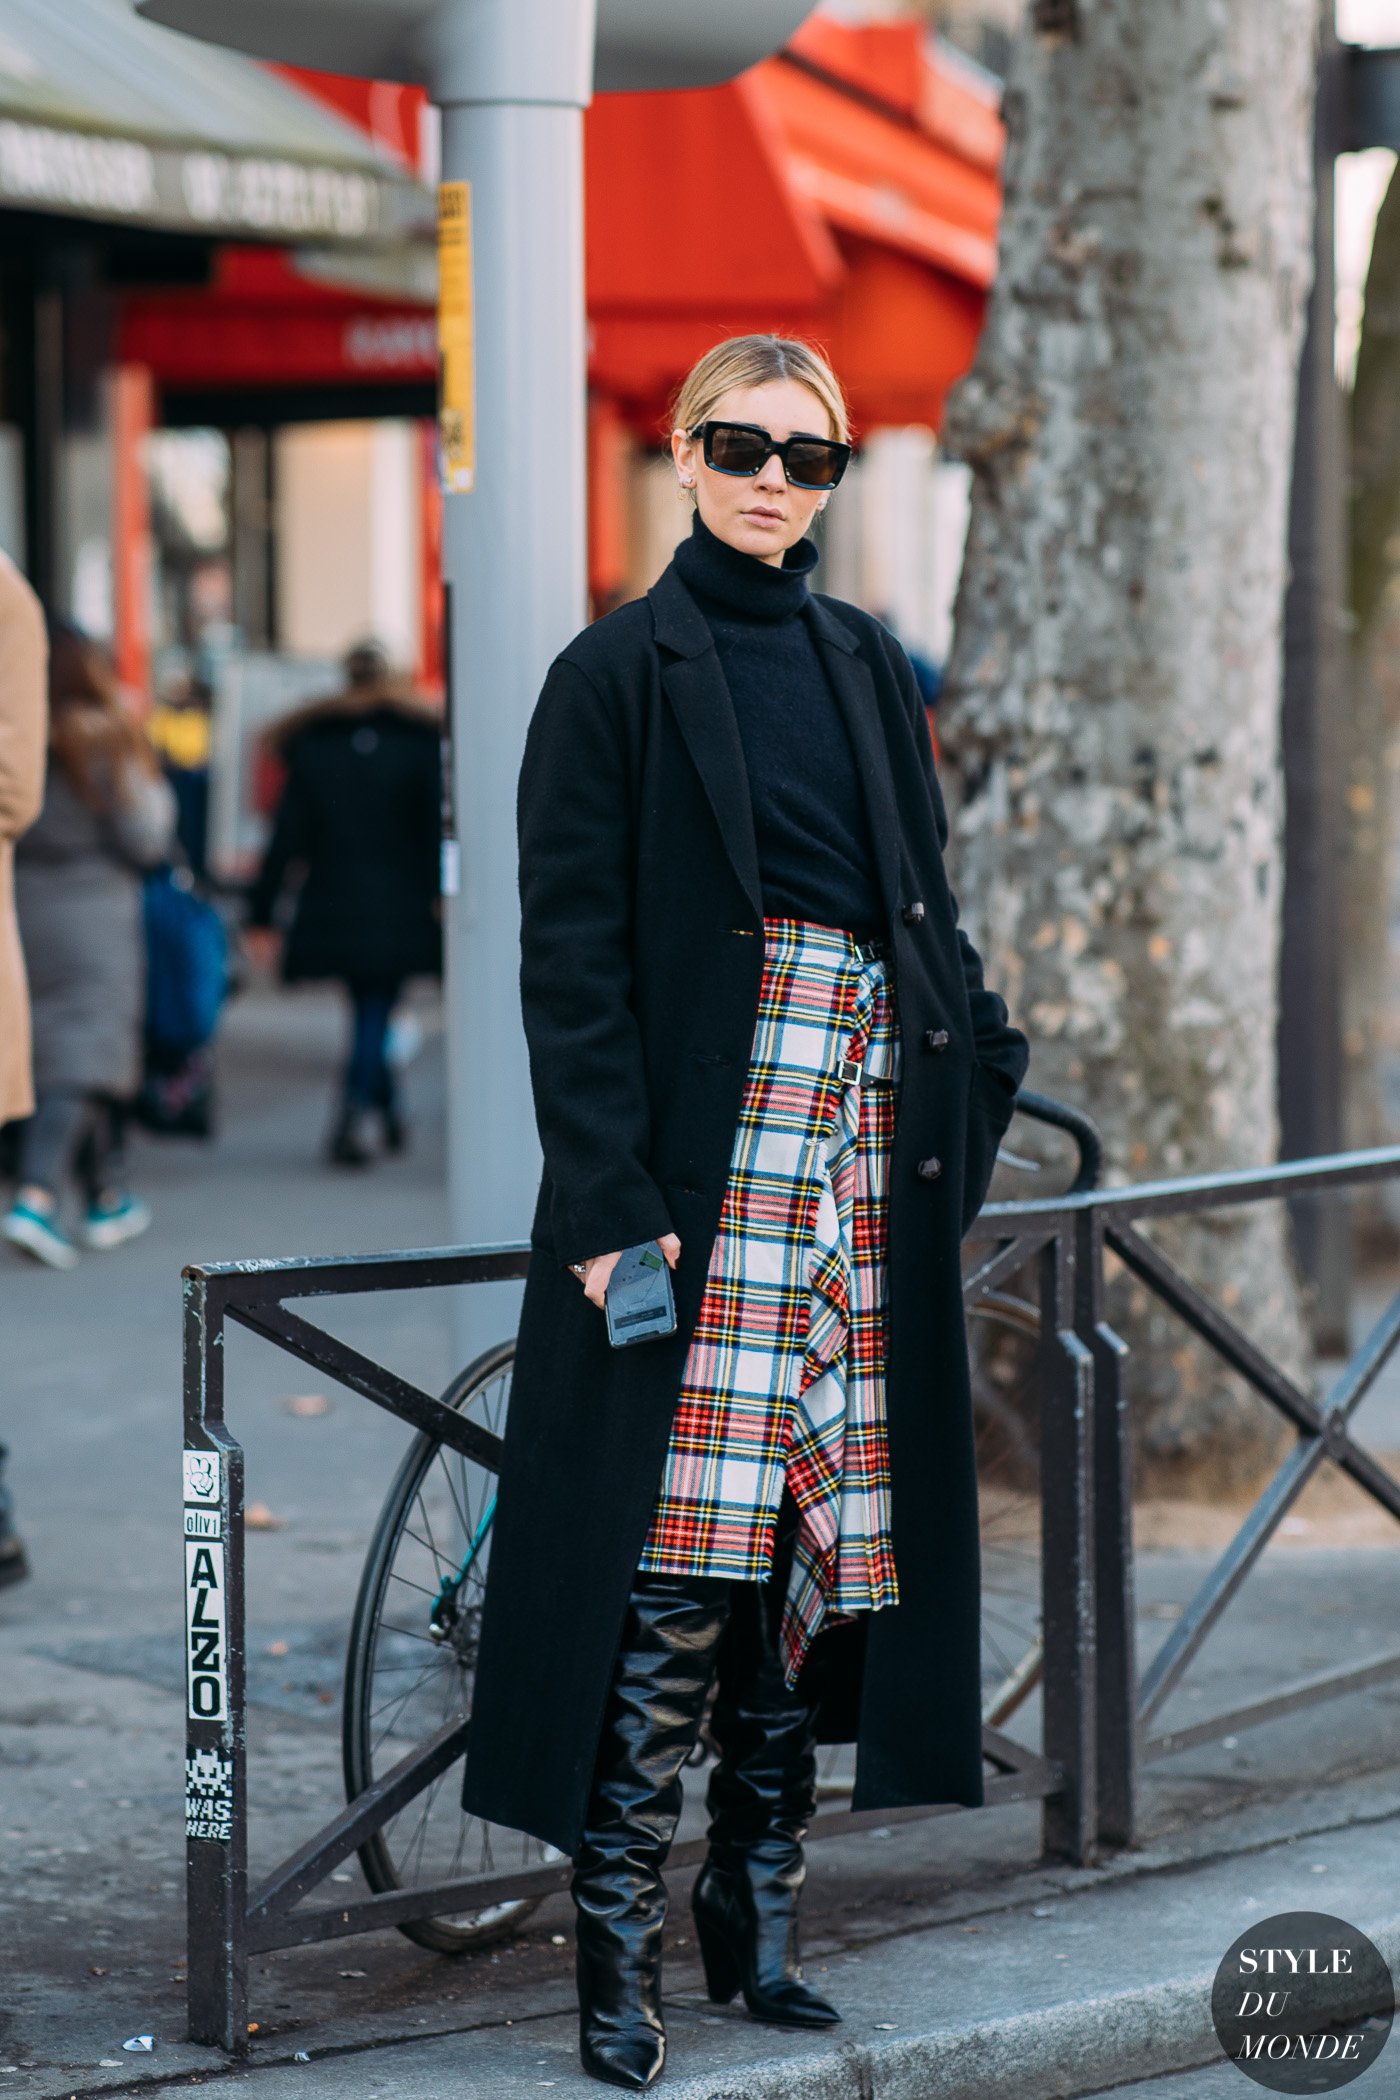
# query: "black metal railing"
{"type": "Point", "coordinates": [226, 1921]}
{"type": "Point", "coordinates": [1098, 1705]}
{"type": "Point", "coordinates": [1095, 1707]}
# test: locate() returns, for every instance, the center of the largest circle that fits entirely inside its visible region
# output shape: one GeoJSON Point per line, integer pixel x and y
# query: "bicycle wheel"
{"type": "Point", "coordinates": [411, 1667]}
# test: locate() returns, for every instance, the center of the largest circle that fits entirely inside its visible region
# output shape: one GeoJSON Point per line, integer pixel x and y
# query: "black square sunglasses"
{"type": "Point", "coordinates": [742, 448]}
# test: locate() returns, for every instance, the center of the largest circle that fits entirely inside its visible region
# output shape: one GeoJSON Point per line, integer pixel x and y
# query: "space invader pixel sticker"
{"type": "Point", "coordinates": [208, 1796]}
{"type": "Point", "coordinates": [202, 1481]}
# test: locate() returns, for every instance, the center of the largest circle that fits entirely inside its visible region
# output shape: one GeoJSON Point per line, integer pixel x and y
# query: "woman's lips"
{"type": "Point", "coordinates": [765, 517]}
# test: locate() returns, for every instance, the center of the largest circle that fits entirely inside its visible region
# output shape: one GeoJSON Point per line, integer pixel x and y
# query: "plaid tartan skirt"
{"type": "Point", "coordinates": [784, 1379]}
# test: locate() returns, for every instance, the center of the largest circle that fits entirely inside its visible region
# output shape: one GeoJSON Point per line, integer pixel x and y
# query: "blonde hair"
{"type": "Point", "coordinates": [753, 360]}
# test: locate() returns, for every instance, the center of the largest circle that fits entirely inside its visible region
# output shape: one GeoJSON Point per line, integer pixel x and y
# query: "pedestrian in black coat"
{"type": "Point", "coordinates": [645, 871]}
{"type": "Point", "coordinates": [358, 822]}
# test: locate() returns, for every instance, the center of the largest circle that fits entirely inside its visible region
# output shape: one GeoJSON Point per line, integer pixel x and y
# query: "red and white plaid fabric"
{"type": "Point", "coordinates": [784, 1377]}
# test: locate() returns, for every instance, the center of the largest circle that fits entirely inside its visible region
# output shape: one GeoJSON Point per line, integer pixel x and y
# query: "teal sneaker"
{"type": "Point", "coordinates": [38, 1233]}
{"type": "Point", "coordinates": [112, 1223]}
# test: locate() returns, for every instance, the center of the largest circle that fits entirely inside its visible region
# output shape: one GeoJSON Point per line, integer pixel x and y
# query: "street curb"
{"type": "Point", "coordinates": [1061, 2052]}
{"type": "Point", "coordinates": [1068, 2051]}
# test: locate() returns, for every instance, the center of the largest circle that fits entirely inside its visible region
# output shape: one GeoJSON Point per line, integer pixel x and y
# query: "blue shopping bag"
{"type": "Point", "coordinates": [186, 964]}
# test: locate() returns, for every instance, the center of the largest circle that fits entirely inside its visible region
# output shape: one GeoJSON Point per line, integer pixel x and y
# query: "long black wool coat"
{"type": "Point", "coordinates": [642, 946]}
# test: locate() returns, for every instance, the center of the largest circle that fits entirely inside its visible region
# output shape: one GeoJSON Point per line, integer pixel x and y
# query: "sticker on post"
{"type": "Point", "coordinates": [202, 1481]}
{"type": "Point", "coordinates": [456, 340]}
{"type": "Point", "coordinates": [206, 1628]}
{"type": "Point", "coordinates": [208, 1796]}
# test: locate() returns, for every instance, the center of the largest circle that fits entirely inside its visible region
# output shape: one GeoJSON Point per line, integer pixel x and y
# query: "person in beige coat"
{"type": "Point", "coordinates": [23, 738]}
{"type": "Point", "coordinates": [24, 654]}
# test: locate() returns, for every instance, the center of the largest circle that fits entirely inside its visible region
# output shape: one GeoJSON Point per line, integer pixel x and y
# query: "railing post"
{"type": "Point", "coordinates": [216, 1798]}
{"type": "Point", "coordinates": [1115, 1635]}
{"type": "Point", "coordinates": [1068, 1826]}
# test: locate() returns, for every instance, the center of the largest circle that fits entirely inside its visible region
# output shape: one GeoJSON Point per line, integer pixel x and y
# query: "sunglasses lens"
{"type": "Point", "coordinates": [736, 451]}
{"type": "Point", "coordinates": [813, 465]}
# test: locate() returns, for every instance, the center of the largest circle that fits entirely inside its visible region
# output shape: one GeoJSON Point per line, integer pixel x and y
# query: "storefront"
{"type": "Point", "coordinates": [129, 157]}
{"type": "Point", "coordinates": [847, 189]}
{"type": "Point", "coordinates": [218, 370]}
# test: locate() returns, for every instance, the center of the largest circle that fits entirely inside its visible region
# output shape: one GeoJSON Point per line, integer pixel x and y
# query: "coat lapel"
{"type": "Point", "coordinates": [856, 697]}
{"type": "Point", "coordinates": [695, 687]}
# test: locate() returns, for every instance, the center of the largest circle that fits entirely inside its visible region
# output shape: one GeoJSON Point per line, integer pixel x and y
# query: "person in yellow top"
{"type": "Point", "coordinates": [180, 726]}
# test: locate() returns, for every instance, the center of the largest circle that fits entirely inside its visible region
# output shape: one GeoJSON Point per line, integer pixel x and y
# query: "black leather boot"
{"type": "Point", "coordinates": [660, 1679]}
{"type": "Point", "coordinates": [761, 1797]}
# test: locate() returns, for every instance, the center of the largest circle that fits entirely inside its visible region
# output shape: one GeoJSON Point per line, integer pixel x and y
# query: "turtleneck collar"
{"type": "Point", "coordinates": [741, 583]}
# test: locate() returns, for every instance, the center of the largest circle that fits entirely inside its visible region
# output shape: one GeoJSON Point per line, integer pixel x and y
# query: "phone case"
{"type": "Point", "coordinates": [639, 1301]}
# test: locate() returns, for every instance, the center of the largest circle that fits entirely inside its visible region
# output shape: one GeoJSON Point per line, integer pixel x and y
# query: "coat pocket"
{"type": "Point", "coordinates": [995, 1100]}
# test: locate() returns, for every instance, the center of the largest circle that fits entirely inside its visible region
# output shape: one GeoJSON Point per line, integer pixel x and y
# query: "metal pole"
{"type": "Point", "coordinates": [1314, 691]}
{"type": "Point", "coordinates": [514, 557]}
{"type": "Point", "coordinates": [1069, 1697]}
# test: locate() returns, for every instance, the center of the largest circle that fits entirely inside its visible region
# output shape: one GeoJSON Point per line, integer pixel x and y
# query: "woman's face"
{"type": "Point", "coordinates": [759, 514]}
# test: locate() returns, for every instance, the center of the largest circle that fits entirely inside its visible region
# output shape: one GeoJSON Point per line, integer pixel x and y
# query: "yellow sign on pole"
{"type": "Point", "coordinates": [456, 346]}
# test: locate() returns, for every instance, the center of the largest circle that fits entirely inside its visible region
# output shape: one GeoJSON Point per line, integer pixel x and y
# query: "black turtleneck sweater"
{"type": "Point", "coordinates": [815, 858]}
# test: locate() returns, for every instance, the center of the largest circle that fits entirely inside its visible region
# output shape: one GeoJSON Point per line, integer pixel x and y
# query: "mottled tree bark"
{"type": "Point", "coordinates": [1372, 746]}
{"type": "Point", "coordinates": [1111, 714]}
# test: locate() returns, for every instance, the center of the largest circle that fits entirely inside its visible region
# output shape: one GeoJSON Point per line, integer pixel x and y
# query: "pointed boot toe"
{"type": "Point", "coordinates": [745, 1921]}
{"type": "Point", "coordinates": [633, 2060]}
{"type": "Point", "coordinates": [791, 2003]}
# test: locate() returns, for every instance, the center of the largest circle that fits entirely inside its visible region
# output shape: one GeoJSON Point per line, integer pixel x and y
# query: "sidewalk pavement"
{"type": "Point", "coordinates": [965, 1966]}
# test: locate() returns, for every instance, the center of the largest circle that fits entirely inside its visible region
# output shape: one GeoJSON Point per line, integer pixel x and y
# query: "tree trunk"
{"type": "Point", "coordinates": [1372, 732]}
{"type": "Point", "coordinates": [1111, 713]}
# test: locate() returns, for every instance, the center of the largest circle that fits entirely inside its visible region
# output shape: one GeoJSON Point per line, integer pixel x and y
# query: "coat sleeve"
{"type": "Point", "coordinates": [290, 841]}
{"type": "Point", "coordinates": [24, 656]}
{"type": "Point", "coordinates": [577, 857]}
{"type": "Point", "coordinates": [1002, 1050]}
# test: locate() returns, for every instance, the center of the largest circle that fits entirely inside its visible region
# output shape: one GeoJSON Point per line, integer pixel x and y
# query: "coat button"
{"type": "Point", "coordinates": [913, 914]}
{"type": "Point", "coordinates": [935, 1039]}
{"type": "Point", "coordinates": [930, 1169]}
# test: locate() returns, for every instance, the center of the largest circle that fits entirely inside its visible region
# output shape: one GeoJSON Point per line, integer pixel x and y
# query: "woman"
{"type": "Point", "coordinates": [108, 815]}
{"type": "Point", "coordinates": [731, 842]}
{"type": "Point", "coordinates": [359, 818]}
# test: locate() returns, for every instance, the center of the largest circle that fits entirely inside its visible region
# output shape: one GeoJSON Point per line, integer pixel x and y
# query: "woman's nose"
{"type": "Point", "coordinates": [770, 475]}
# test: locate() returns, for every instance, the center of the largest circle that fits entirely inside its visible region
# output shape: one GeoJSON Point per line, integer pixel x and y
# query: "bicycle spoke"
{"type": "Point", "coordinates": [439, 1563]}
{"type": "Point", "coordinates": [400, 1697]}
{"type": "Point", "coordinates": [440, 1559]}
{"type": "Point", "coordinates": [457, 1504]}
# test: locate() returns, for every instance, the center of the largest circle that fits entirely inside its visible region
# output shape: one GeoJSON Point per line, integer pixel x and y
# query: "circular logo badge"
{"type": "Point", "coordinates": [1303, 2003]}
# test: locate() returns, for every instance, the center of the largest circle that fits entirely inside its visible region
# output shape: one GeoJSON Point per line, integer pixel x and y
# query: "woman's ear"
{"type": "Point", "coordinates": [683, 455]}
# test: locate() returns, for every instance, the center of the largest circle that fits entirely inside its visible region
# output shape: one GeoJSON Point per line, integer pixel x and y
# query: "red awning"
{"type": "Point", "coordinates": [847, 189]}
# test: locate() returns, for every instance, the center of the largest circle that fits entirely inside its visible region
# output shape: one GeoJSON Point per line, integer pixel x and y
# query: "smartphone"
{"type": "Point", "coordinates": [639, 1301]}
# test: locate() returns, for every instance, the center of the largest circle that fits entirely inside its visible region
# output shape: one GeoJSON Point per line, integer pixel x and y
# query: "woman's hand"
{"type": "Point", "coordinates": [593, 1274]}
